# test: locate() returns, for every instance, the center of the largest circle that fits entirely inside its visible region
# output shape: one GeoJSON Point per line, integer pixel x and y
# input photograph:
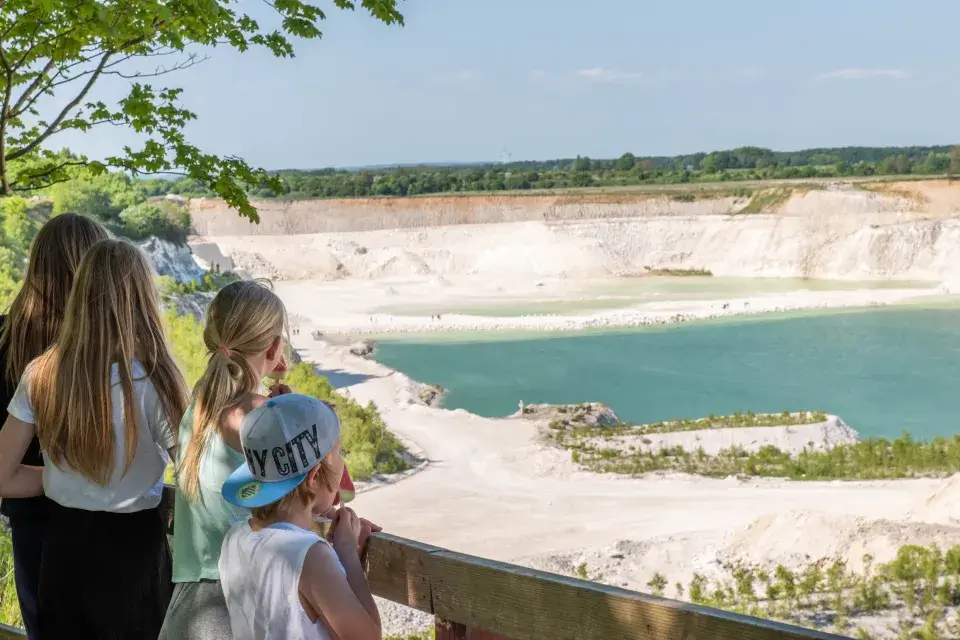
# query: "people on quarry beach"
{"type": "Point", "coordinates": [280, 579]}
{"type": "Point", "coordinates": [29, 328]}
{"type": "Point", "coordinates": [245, 337]}
{"type": "Point", "coordinates": [104, 401]}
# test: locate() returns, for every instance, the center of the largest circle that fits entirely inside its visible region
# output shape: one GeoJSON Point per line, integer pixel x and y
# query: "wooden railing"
{"type": "Point", "coordinates": [478, 599]}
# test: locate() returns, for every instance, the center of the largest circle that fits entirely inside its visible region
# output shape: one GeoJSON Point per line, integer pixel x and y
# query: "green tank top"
{"type": "Point", "coordinates": [200, 526]}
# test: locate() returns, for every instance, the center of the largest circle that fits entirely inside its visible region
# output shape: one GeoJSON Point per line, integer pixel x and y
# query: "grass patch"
{"type": "Point", "coordinates": [887, 189]}
{"type": "Point", "coordinates": [574, 424]}
{"type": "Point", "coordinates": [426, 635]}
{"type": "Point", "coordinates": [677, 272]}
{"type": "Point", "coordinates": [9, 605]}
{"type": "Point", "coordinates": [693, 192]}
{"type": "Point", "coordinates": [735, 421]}
{"type": "Point", "coordinates": [766, 200]}
{"type": "Point", "coordinates": [871, 459]}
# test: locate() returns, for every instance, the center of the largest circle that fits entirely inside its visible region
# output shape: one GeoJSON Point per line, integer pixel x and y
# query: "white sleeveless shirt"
{"type": "Point", "coordinates": [260, 575]}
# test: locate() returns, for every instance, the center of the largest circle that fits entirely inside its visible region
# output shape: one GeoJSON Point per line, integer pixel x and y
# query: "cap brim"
{"type": "Point", "coordinates": [243, 490]}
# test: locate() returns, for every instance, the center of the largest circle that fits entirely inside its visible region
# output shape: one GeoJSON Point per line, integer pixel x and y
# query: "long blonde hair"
{"type": "Point", "coordinates": [112, 316]}
{"type": "Point", "coordinates": [33, 321]}
{"type": "Point", "coordinates": [244, 319]}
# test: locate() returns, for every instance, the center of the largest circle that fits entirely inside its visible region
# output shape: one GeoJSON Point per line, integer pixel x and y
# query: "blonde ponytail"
{"type": "Point", "coordinates": [244, 319]}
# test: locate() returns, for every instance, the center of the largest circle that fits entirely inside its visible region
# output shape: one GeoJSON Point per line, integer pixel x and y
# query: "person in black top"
{"type": "Point", "coordinates": [28, 329]}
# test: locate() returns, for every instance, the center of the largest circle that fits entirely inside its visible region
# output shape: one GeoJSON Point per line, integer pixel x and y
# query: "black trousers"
{"type": "Point", "coordinates": [28, 528]}
{"type": "Point", "coordinates": [104, 576]}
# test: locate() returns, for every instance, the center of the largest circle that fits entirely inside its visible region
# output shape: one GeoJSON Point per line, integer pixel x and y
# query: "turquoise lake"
{"type": "Point", "coordinates": [882, 371]}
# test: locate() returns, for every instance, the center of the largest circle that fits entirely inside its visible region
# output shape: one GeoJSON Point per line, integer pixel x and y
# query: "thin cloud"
{"type": "Point", "coordinates": [862, 74]}
{"type": "Point", "coordinates": [466, 75]}
{"type": "Point", "coordinates": [460, 78]}
{"type": "Point", "coordinates": [600, 74]}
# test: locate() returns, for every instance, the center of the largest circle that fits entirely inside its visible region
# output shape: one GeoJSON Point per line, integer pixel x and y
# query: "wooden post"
{"type": "Point", "coordinates": [447, 630]}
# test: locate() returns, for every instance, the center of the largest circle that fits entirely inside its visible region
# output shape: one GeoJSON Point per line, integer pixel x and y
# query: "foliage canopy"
{"type": "Point", "coordinates": [53, 53]}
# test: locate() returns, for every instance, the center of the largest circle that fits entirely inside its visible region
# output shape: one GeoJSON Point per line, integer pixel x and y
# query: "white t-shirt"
{"type": "Point", "coordinates": [142, 485]}
{"type": "Point", "coordinates": [260, 575]}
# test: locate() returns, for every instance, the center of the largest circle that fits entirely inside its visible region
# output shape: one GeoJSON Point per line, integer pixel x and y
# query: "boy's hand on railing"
{"type": "Point", "coordinates": [366, 528]}
{"type": "Point", "coordinates": [345, 530]}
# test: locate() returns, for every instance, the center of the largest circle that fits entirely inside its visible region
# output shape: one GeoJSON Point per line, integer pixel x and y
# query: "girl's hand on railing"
{"type": "Point", "coordinates": [278, 389]}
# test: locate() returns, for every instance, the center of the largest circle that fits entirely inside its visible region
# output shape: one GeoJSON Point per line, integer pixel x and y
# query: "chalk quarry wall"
{"type": "Point", "coordinates": [909, 231]}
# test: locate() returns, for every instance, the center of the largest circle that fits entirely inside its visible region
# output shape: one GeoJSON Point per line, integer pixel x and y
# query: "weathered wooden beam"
{"type": "Point", "coordinates": [525, 604]}
{"type": "Point", "coordinates": [478, 599]}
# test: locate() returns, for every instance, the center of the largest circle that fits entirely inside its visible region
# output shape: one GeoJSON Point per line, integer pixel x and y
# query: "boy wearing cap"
{"type": "Point", "coordinates": [279, 578]}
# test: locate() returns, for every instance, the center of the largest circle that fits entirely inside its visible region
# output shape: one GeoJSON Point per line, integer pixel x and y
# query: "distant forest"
{"type": "Point", "coordinates": [744, 163]}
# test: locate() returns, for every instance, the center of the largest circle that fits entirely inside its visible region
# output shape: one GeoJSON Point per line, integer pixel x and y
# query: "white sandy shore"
{"type": "Point", "coordinates": [331, 314]}
{"type": "Point", "coordinates": [490, 489]}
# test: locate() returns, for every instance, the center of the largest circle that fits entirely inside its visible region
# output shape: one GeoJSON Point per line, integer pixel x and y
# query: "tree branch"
{"type": "Point", "coordinates": [51, 183]}
{"type": "Point", "coordinates": [26, 100]}
{"type": "Point", "coordinates": [161, 70]}
{"type": "Point", "coordinates": [52, 127]}
{"type": "Point", "coordinates": [17, 111]}
{"type": "Point", "coordinates": [47, 172]}
{"type": "Point", "coordinates": [24, 104]}
{"type": "Point", "coordinates": [182, 174]}
{"type": "Point", "coordinates": [4, 114]}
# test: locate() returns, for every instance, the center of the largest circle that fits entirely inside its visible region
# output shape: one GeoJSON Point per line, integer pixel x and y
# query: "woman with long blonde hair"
{"type": "Point", "coordinates": [245, 334]}
{"type": "Point", "coordinates": [29, 328]}
{"type": "Point", "coordinates": [104, 401]}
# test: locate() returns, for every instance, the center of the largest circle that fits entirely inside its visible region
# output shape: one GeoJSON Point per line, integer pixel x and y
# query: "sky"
{"type": "Point", "coordinates": [472, 80]}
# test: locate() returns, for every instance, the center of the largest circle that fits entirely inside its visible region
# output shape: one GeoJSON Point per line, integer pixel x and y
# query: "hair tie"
{"type": "Point", "coordinates": [224, 350]}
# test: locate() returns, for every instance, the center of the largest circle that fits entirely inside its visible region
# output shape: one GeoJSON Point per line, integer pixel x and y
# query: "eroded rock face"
{"type": "Point", "coordinates": [431, 394]}
{"type": "Point", "coordinates": [837, 232]}
{"type": "Point", "coordinates": [586, 414]}
{"type": "Point", "coordinates": [169, 259]}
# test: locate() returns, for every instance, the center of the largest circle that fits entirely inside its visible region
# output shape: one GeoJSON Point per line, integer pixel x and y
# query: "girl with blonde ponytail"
{"type": "Point", "coordinates": [245, 335]}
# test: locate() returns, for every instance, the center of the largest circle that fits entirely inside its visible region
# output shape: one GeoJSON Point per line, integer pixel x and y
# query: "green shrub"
{"type": "Point", "coordinates": [186, 342]}
{"type": "Point", "coordinates": [911, 594]}
{"type": "Point", "coordinates": [657, 584]}
{"type": "Point", "coordinates": [144, 220]}
{"type": "Point", "coordinates": [211, 282]}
